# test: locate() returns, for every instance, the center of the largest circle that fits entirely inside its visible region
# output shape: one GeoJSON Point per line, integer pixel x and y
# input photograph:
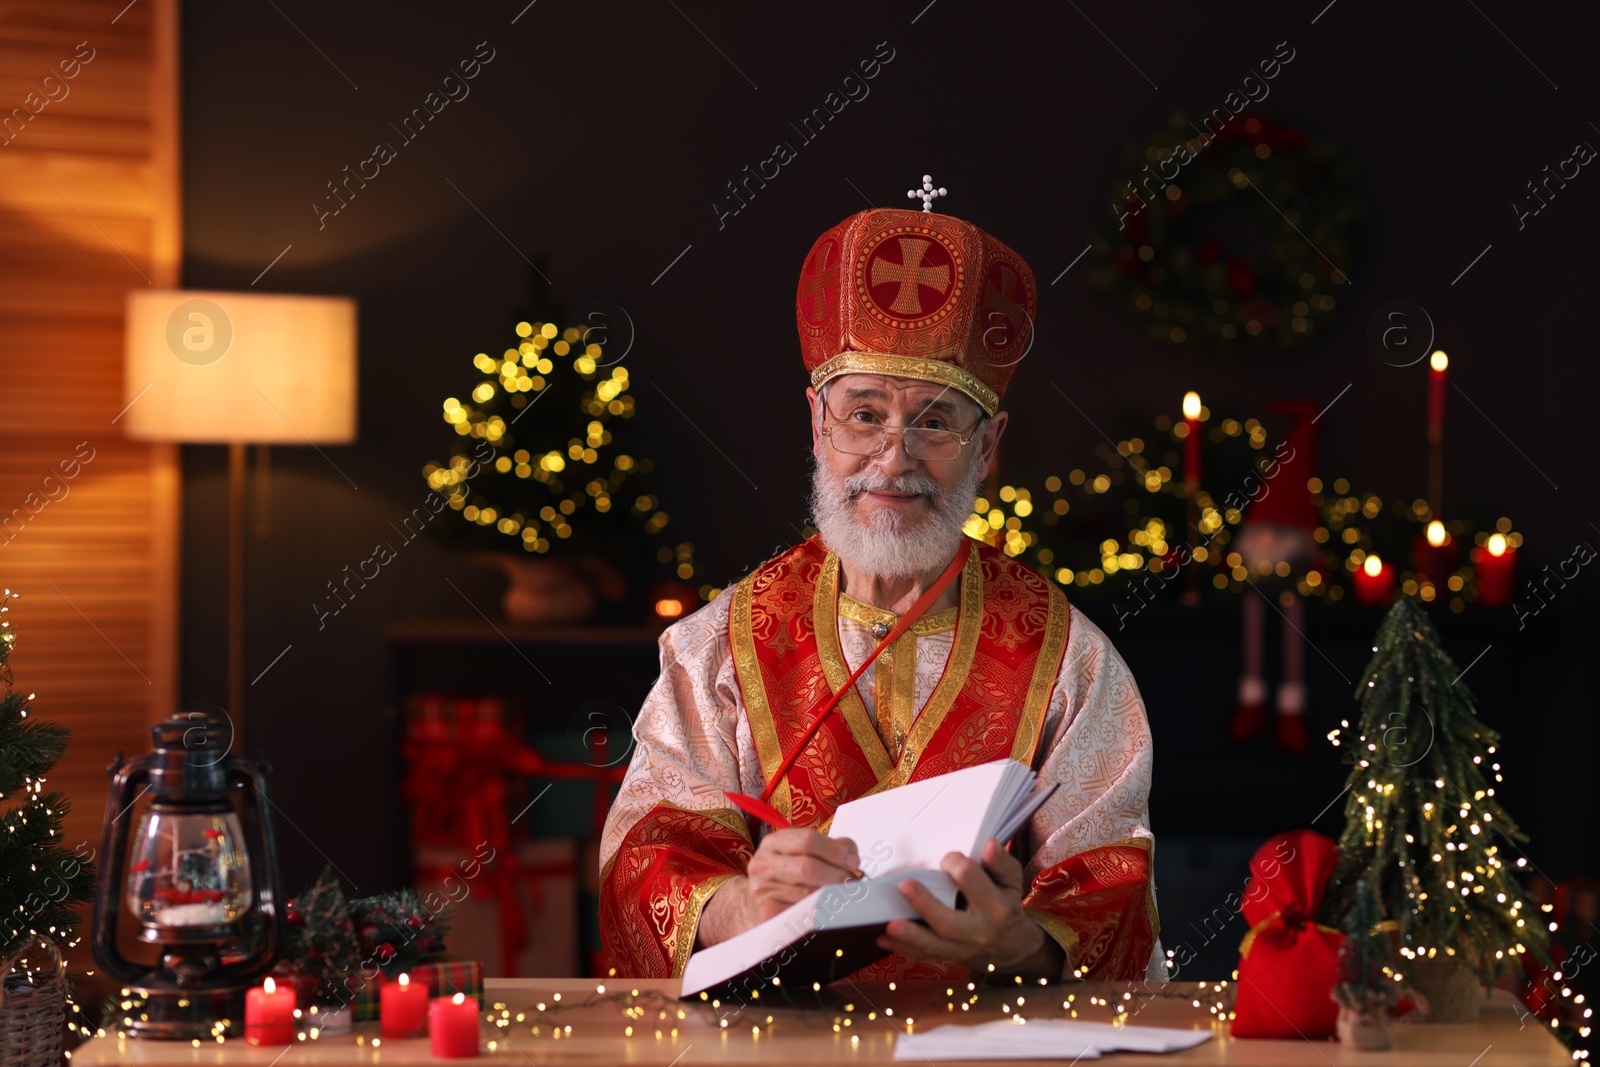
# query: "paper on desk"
{"type": "Point", "coordinates": [1041, 1039]}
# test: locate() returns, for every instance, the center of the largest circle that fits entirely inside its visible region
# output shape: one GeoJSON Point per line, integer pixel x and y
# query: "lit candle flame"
{"type": "Point", "coordinates": [1497, 544]}
{"type": "Point", "coordinates": [1373, 566]}
{"type": "Point", "coordinates": [405, 979]}
{"type": "Point", "coordinates": [272, 987]}
{"type": "Point", "coordinates": [459, 998]}
{"type": "Point", "coordinates": [1439, 361]}
{"type": "Point", "coordinates": [1191, 405]}
{"type": "Point", "coordinates": [1436, 536]}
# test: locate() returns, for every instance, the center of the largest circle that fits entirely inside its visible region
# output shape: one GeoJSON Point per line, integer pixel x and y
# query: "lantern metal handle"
{"type": "Point", "coordinates": [125, 776]}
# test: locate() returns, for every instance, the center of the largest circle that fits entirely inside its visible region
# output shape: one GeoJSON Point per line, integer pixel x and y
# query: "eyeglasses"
{"type": "Point", "coordinates": [872, 438]}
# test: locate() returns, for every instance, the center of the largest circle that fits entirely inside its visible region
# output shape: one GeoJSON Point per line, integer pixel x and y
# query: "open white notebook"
{"type": "Point", "coordinates": [900, 833]}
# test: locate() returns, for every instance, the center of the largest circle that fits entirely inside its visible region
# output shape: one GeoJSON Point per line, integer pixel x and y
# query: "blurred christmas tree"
{"type": "Point", "coordinates": [40, 879]}
{"type": "Point", "coordinates": [1422, 824]}
{"type": "Point", "coordinates": [1367, 983]}
{"type": "Point", "coordinates": [560, 476]}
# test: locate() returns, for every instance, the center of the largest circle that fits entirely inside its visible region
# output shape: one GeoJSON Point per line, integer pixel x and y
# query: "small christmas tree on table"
{"type": "Point", "coordinates": [1368, 986]}
{"type": "Point", "coordinates": [40, 879]}
{"type": "Point", "coordinates": [322, 942]}
{"type": "Point", "coordinates": [1422, 825]}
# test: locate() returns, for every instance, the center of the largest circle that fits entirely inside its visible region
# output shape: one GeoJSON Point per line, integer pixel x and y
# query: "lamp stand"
{"type": "Point", "coordinates": [236, 477]}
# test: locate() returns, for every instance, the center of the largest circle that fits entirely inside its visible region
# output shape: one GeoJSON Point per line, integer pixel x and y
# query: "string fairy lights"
{"type": "Point", "coordinates": [40, 880]}
{"type": "Point", "coordinates": [1143, 479]}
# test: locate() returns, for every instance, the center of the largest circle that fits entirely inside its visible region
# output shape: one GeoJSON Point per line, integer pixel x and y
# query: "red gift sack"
{"type": "Point", "coordinates": [1288, 962]}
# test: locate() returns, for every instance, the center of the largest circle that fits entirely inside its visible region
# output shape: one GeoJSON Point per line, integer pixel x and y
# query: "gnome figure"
{"type": "Point", "coordinates": [1278, 530]}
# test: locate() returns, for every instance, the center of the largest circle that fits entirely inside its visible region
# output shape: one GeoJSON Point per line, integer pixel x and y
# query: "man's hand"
{"type": "Point", "coordinates": [992, 929]}
{"type": "Point", "coordinates": [787, 866]}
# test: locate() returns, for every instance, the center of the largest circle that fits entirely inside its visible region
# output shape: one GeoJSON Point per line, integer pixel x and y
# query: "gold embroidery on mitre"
{"type": "Point", "coordinates": [923, 368]}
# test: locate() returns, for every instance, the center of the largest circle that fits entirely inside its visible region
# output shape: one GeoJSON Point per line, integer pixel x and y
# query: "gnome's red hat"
{"type": "Point", "coordinates": [915, 294]}
{"type": "Point", "coordinates": [1288, 501]}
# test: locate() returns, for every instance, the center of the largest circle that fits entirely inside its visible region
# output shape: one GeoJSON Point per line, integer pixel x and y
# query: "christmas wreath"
{"type": "Point", "coordinates": [1234, 237]}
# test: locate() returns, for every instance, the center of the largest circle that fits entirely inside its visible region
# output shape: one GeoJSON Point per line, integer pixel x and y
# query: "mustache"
{"type": "Point", "coordinates": [911, 482]}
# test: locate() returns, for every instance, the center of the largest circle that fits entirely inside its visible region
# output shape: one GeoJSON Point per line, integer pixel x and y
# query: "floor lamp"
{"type": "Point", "coordinates": [239, 369]}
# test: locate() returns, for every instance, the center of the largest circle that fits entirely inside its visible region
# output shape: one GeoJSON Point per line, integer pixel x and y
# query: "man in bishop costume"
{"type": "Point", "coordinates": [911, 326]}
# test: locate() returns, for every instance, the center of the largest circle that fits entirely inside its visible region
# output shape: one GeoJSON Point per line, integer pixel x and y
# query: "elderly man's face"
{"type": "Point", "coordinates": [898, 490]}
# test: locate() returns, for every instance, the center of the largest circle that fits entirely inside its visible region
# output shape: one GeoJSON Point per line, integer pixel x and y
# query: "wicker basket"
{"type": "Point", "coordinates": [33, 1010]}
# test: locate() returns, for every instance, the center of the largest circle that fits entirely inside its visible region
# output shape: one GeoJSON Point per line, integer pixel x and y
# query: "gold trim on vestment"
{"type": "Point", "coordinates": [929, 370]}
{"type": "Point", "coordinates": [1046, 672]}
{"type": "Point", "coordinates": [1059, 932]}
{"type": "Point", "coordinates": [883, 682]}
{"type": "Point", "coordinates": [868, 615]}
{"type": "Point", "coordinates": [902, 706]}
{"type": "Point", "coordinates": [729, 817]}
{"type": "Point", "coordinates": [753, 688]}
{"type": "Point", "coordinates": [825, 622]}
{"type": "Point", "coordinates": [689, 921]}
{"type": "Point", "coordinates": [957, 666]}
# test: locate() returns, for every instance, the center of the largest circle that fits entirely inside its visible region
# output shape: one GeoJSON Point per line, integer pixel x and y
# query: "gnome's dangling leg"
{"type": "Point", "coordinates": [1251, 717]}
{"type": "Point", "coordinates": [1290, 727]}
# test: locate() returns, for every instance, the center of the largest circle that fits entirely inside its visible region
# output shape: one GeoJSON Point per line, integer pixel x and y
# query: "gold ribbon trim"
{"type": "Point", "coordinates": [1250, 935]}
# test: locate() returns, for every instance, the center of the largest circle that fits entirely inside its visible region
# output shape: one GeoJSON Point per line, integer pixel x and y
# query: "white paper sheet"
{"type": "Point", "coordinates": [1040, 1039]}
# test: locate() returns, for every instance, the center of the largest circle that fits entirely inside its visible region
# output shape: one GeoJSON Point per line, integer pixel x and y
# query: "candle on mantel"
{"type": "Point", "coordinates": [1374, 581]}
{"type": "Point", "coordinates": [453, 1027]}
{"type": "Point", "coordinates": [269, 1014]}
{"type": "Point", "coordinates": [1191, 442]}
{"type": "Point", "coordinates": [403, 1008]}
{"type": "Point", "coordinates": [1437, 364]}
{"type": "Point", "coordinates": [1435, 554]}
{"type": "Point", "coordinates": [1191, 483]}
{"type": "Point", "coordinates": [1496, 566]}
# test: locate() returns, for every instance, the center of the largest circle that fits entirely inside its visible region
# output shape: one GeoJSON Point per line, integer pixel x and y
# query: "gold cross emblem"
{"type": "Point", "coordinates": [910, 273]}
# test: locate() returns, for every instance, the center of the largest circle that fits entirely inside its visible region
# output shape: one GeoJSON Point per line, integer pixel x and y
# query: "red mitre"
{"type": "Point", "coordinates": [916, 295]}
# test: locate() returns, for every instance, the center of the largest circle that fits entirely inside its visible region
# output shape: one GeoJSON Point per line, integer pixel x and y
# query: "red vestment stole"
{"type": "Point", "coordinates": [989, 703]}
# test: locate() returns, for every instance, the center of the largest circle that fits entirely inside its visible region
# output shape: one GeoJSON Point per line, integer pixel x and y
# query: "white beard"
{"type": "Point", "coordinates": [887, 544]}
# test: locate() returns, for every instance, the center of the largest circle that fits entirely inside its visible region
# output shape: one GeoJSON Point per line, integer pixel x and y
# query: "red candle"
{"type": "Point", "coordinates": [1374, 581]}
{"type": "Point", "coordinates": [453, 1027]}
{"type": "Point", "coordinates": [1434, 555]}
{"type": "Point", "coordinates": [1191, 441]}
{"type": "Point", "coordinates": [1496, 565]}
{"type": "Point", "coordinates": [403, 1008]}
{"type": "Point", "coordinates": [269, 1014]}
{"type": "Point", "coordinates": [1437, 365]}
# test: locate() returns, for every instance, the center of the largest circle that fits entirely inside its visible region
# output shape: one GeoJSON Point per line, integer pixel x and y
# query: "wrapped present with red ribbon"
{"type": "Point", "coordinates": [465, 762]}
{"type": "Point", "coordinates": [466, 785]}
{"type": "Point", "coordinates": [1288, 962]}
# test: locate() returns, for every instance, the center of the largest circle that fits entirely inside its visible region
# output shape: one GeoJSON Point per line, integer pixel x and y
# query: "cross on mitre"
{"type": "Point", "coordinates": [927, 194]}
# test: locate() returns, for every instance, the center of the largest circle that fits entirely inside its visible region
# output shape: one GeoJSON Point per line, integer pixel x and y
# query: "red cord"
{"type": "Point", "coordinates": [922, 604]}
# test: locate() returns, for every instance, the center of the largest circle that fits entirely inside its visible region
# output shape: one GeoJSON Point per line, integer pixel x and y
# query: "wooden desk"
{"type": "Point", "coordinates": [802, 1036]}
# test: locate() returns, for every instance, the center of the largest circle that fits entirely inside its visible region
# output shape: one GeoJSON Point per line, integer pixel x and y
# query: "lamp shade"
{"type": "Point", "coordinates": [262, 368]}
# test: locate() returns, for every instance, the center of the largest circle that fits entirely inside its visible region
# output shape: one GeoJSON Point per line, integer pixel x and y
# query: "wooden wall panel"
{"type": "Point", "coordinates": [89, 209]}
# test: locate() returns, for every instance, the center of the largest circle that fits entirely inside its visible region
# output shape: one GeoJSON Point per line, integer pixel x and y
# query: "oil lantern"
{"type": "Point", "coordinates": [198, 873]}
